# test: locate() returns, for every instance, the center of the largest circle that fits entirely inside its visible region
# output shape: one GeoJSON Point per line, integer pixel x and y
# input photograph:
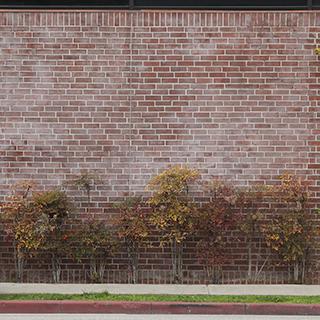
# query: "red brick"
{"type": "Point", "coordinates": [233, 94]}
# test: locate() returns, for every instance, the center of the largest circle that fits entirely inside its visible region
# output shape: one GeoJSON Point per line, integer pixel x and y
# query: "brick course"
{"type": "Point", "coordinates": [126, 93]}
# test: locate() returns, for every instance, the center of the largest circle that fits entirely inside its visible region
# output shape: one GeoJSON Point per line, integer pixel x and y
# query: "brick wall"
{"type": "Point", "coordinates": [124, 94]}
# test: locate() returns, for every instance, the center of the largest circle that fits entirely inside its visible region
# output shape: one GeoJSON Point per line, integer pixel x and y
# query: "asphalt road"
{"type": "Point", "coordinates": [146, 317]}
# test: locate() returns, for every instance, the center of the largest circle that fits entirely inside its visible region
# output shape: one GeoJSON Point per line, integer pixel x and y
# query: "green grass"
{"type": "Point", "coordinates": [172, 298]}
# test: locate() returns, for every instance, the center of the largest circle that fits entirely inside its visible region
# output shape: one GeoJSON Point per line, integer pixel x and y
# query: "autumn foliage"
{"type": "Point", "coordinates": [132, 228]}
{"type": "Point", "coordinates": [25, 224]}
{"type": "Point", "coordinates": [290, 233]}
{"type": "Point", "coordinates": [173, 211]}
{"type": "Point", "coordinates": [34, 221]}
{"type": "Point", "coordinates": [95, 245]}
{"type": "Point", "coordinates": [271, 222]}
{"type": "Point", "coordinates": [211, 225]}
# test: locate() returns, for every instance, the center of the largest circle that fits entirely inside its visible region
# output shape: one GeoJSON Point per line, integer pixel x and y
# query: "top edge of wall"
{"type": "Point", "coordinates": [145, 18]}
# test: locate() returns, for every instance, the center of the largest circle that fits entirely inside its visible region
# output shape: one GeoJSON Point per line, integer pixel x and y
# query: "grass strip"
{"type": "Point", "coordinates": [164, 298]}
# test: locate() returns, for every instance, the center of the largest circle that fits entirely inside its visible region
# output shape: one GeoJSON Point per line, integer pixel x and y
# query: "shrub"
{"type": "Point", "coordinates": [55, 206]}
{"type": "Point", "coordinates": [212, 222]}
{"type": "Point", "coordinates": [133, 230]}
{"type": "Point", "coordinates": [173, 211]}
{"type": "Point", "coordinates": [35, 223]}
{"type": "Point", "coordinates": [251, 201]}
{"type": "Point", "coordinates": [96, 244]}
{"type": "Point", "coordinates": [85, 181]}
{"type": "Point", "coordinates": [25, 223]}
{"type": "Point", "coordinates": [290, 233]}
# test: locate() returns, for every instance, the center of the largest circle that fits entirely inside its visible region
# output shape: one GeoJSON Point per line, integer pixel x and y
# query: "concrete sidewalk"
{"type": "Point", "coordinates": [292, 290]}
{"type": "Point", "coordinates": [127, 307]}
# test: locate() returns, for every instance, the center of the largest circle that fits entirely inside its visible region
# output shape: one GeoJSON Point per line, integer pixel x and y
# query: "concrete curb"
{"type": "Point", "coordinates": [157, 308]}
